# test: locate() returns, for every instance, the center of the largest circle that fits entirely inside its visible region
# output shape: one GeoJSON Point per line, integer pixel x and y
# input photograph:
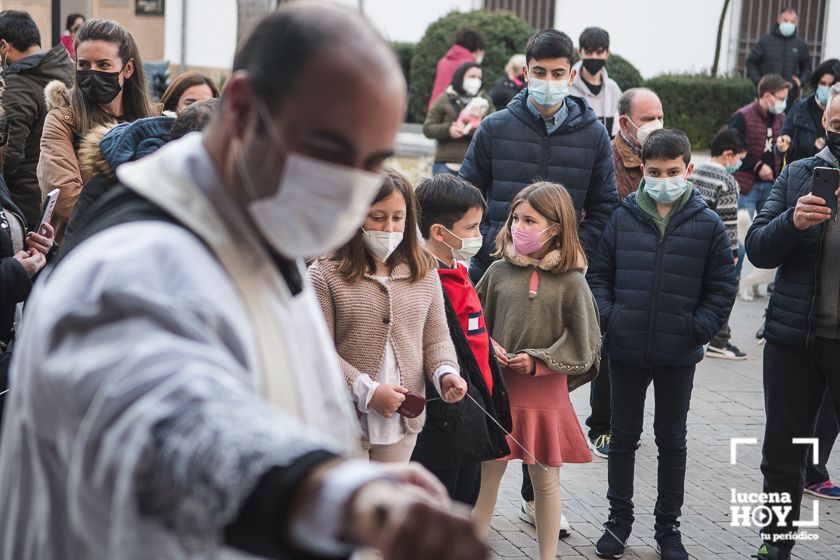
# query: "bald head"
{"type": "Point", "coordinates": [637, 107]}
{"type": "Point", "coordinates": [286, 42]}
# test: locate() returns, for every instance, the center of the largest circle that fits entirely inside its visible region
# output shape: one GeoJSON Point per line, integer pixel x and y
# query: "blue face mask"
{"type": "Point", "coordinates": [547, 93]}
{"type": "Point", "coordinates": [666, 190]}
{"type": "Point", "coordinates": [822, 94]}
{"type": "Point", "coordinates": [787, 28]}
{"type": "Point", "coordinates": [735, 167]}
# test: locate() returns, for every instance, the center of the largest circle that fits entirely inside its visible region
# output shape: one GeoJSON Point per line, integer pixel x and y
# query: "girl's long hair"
{"type": "Point", "coordinates": [135, 98]}
{"type": "Point", "coordinates": [355, 260]}
{"type": "Point", "coordinates": [552, 202]}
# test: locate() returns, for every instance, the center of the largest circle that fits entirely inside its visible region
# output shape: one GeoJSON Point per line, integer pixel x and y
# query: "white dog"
{"type": "Point", "coordinates": [753, 280]}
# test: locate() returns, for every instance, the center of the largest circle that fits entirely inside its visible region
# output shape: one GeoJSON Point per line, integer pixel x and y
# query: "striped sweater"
{"type": "Point", "coordinates": [720, 191]}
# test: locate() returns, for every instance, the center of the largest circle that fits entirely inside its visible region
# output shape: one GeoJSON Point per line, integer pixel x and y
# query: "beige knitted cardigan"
{"type": "Point", "coordinates": [362, 316]}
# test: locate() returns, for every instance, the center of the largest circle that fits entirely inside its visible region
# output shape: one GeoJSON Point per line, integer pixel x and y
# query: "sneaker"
{"type": "Point", "coordinates": [759, 334]}
{"type": "Point", "coordinates": [825, 490]}
{"type": "Point", "coordinates": [728, 352]}
{"type": "Point", "coordinates": [770, 552]}
{"type": "Point", "coordinates": [614, 540]}
{"type": "Point", "coordinates": [670, 546]}
{"type": "Point", "coordinates": [528, 515]}
{"type": "Point", "coordinates": [600, 445]}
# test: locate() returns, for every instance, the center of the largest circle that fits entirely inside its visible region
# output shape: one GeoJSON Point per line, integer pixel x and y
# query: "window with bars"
{"type": "Point", "coordinates": [539, 13]}
{"type": "Point", "coordinates": [759, 16]}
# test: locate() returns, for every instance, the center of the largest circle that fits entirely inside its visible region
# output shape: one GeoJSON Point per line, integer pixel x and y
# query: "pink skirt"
{"type": "Point", "coordinates": [544, 420]}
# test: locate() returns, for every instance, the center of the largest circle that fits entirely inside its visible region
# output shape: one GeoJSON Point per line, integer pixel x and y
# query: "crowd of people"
{"type": "Point", "coordinates": [260, 339]}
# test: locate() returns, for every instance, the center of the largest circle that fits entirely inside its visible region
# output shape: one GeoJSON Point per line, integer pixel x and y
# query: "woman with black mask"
{"type": "Point", "coordinates": [110, 87]}
{"type": "Point", "coordinates": [455, 116]}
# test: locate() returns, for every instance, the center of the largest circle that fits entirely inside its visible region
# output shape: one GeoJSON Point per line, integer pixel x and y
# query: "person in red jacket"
{"type": "Point", "coordinates": [469, 47]}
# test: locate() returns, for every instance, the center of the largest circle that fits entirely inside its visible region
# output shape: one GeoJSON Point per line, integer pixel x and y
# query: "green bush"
{"type": "Point", "coordinates": [623, 72]}
{"type": "Point", "coordinates": [698, 104]}
{"type": "Point", "coordinates": [504, 33]}
{"type": "Point", "coordinates": [404, 52]}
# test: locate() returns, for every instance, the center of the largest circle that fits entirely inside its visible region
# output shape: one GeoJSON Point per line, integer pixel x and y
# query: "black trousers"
{"type": "Point", "coordinates": [826, 432]}
{"type": "Point", "coordinates": [599, 400]}
{"type": "Point", "coordinates": [795, 381]}
{"type": "Point", "coordinates": [672, 388]}
{"type": "Point", "coordinates": [462, 483]}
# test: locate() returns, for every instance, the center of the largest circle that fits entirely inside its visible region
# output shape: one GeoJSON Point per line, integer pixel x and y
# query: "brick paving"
{"type": "Point", "coordinates": [727, 402]}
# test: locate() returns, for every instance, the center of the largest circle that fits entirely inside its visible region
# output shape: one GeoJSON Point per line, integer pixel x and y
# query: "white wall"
{"type": "Point", "coordinates": [407, 20]}
{"type": "Point", "coordinates": [832, 23]}
{"type": "Point", "coordinates": [211, 33]}
{"type": "Point", "coordinates": [656, 36]}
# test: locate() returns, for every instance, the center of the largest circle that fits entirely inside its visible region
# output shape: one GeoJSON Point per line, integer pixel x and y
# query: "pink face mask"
{"type": "Point", "coordinates": [527, 242]}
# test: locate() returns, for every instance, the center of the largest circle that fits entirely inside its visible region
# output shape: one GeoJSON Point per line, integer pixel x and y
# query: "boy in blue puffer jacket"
{"type": "Point", "coordinates": [665, 283]}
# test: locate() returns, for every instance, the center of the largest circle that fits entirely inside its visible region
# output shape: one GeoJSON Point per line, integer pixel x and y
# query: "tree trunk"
{"type": "Point", "coordinates": [719, 37]}
{"type": "Point", "coordinates": [249, 13]}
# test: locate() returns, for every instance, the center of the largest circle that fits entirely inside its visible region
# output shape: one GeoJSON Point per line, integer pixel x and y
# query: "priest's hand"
{"type": "Point", "coordinates": [412, 518]}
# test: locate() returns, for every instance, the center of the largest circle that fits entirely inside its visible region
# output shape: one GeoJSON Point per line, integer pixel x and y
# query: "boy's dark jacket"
{"type": "Point", "coordinates": [460, 433]}
{"type": "Point", "coordinates": [662, 299]}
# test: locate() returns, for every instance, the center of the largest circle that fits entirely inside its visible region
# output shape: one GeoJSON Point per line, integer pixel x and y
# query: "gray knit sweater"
{"type": "Point", "coordinates": [720, 191]}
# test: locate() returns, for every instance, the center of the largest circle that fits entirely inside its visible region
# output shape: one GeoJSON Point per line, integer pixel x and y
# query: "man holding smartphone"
{"type": "Point", "coordinates": [796, 232]}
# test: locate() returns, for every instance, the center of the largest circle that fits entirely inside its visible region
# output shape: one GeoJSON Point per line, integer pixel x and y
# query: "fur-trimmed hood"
{"type": "Point", "coordinates": [549, 263]}
{"type": "Point", "coordinates": [57, 96]}
{"type": "Point", "coordinates": [106, 147]}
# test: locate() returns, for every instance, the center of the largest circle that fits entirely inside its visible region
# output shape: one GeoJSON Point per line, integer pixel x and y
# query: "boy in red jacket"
{"type": "Point", "coordinates": [457, 438]}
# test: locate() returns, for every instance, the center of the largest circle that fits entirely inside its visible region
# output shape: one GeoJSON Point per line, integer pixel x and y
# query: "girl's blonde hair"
{"type": "Point", "coordinates": [354, 260]}
{"type": "Point", "coordinates": [552, 202]}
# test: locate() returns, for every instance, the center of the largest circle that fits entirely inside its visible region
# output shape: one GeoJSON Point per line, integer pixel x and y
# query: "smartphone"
{"type": "Point", "coordinates": [825, 183]}
{"type": "Point", "coordinates": [49, 208]}
{"type": "Point", "coordinates": [412, 406]}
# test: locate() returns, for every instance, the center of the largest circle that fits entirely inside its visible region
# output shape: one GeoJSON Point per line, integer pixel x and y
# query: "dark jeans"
{"type": "Point", "coordinates": [672, 394]}
{"type": "Point", "coordinates": [599, 400]}
{"type": "Point", "coordinates": [440, 168]}
{"type": "Point", "coordinates": [462, 483]}
{"type": "Point", "coordinates": [795, 381]}
{"type": "Point", "coordinates": [722, 338]}
{"type": "Point", "coordinates": [826, 432]}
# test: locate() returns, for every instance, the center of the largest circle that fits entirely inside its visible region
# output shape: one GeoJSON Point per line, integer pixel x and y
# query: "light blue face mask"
{"type": "Point", "coordinates": [547, 93]}
{"type": "Point", "coordinates": [666, 190]}
{"type": "Point", "coordinates": [735, 167]}
{"type": "Point", "coordinates": [822, 94]}
{"type": "Point", "coordinates": [787, 28]}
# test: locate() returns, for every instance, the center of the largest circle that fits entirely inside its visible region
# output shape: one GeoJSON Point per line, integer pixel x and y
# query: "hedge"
{"type": "Point", "coordinates": [625, 74]}
{"type": "Point", "coordinates": [698, 104]}
{"type": "Point", "coordinates": [404, 52]}
{"type": "Point", "coordinates": [504, 33]}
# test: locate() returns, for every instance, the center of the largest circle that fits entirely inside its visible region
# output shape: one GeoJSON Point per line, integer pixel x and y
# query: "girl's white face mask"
{"type": "Point", "coordinates": [317, 207]}
{"type": "Point", "coordinates": [382, 243]}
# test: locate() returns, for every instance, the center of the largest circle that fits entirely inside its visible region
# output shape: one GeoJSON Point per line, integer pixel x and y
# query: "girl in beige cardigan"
{"type": "Point", "coordinates": [383, 304]}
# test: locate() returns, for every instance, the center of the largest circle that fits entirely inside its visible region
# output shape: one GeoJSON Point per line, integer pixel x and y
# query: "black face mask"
{"type": "Point", "coordinates": [832, 141]}
{"type": "Point", "coordinates": [99, 87]}
{"type": "Point", "coordinates": [593, 65]}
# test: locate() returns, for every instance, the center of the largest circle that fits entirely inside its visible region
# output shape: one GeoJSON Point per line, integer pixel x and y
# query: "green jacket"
{"type": "Point", "coordinates": [440, 117]}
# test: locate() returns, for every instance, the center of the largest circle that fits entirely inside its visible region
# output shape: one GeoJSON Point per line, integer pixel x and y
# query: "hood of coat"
{"type": "Point", "coordinates": [549, 263]}
{"type": "Point", "coordinates": [580, 113]}
{"type": "Point", "coordinates": [106, 147]}
{"type": "Point", "coordinates": [57, 95]}
{"type": "Point", "coordinates": [52, 64]}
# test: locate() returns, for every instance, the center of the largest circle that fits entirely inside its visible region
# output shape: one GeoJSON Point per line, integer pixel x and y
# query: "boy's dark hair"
{"type": "Point", "coordinates": [728, 138]}
{"type": "Point", "coordinates": [772, 83]}
{"type": "Point", "coordinates": [470, 39]}
{"type": "Point", "coordinates": [19, 29]}
{"type": "Point", "coordinates": [549, 43]}
{"type": "Point", "coordinates": [594, 39]}
{"type": "Point", "coordinates": [667, 143]}
{"type": "Point", "coordinates": [444, 199]}
{"type": "Point", "coordinates": [194, 118]}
